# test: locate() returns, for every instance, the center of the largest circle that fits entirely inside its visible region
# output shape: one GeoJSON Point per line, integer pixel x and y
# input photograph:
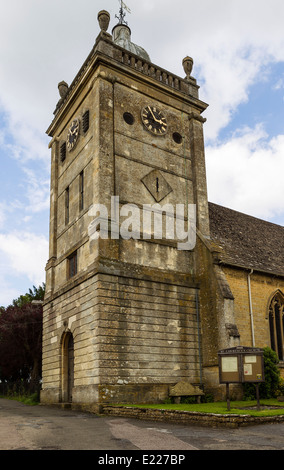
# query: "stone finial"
{"type": "Point", "coordinates": [104, 19]}
{"type": "Point", "coordinates": [63, 88]}
{"type": "Point", "coordinates": [187, 66]}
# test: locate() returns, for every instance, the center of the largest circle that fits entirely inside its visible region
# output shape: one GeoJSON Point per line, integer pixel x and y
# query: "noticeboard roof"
{"type": "Point", "coordinates": [241, 350]}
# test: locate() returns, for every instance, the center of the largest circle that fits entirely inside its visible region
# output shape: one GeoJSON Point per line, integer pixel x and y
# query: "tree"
{"type": "Point", "coordinates": [21, 340]}
{"type": "Point", "coordinates": [36, 294]}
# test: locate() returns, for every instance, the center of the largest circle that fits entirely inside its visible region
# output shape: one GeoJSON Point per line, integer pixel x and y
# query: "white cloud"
{"type": "Point", "coordinates": [26, 143]}
{"type": "Point", "coordinates": [7, 292]}
{"type": "Point", "coordinates": [37, 191]}
{"type": "Point", "coordinates": [279, 85]}
{"type": "Point", "coordinates": [24, 253]}
{"type": "Point", "coordinates": [246, 173]}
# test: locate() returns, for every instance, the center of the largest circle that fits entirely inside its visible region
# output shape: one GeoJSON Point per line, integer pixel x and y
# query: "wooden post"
{"type": "Point", "coordinates": [257, 397]}
{"type": "Point", "coordinates": [228, 397]}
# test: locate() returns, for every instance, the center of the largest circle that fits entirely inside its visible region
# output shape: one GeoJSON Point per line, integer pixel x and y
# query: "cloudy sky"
{"type": "Point", "coordinates": [238, 52]}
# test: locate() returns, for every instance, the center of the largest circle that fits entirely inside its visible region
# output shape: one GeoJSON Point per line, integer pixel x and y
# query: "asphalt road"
{"type": "Point", "coordinates": [24, 427]}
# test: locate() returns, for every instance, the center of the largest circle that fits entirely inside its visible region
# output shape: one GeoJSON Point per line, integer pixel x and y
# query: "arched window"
{"type": "Point", "coordinates": [67, 367]}
{"type": "Point", "coordinates": [276, 324]}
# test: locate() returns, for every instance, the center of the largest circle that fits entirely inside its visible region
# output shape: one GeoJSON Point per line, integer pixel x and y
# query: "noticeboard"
{"type": "Point", "coordinates": [241, 364]}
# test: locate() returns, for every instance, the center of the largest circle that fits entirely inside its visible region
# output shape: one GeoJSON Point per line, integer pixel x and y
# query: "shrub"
{"type": "Point", "coordinates": [269, 388]}
{"type": "Point", "coordinates": [280, 391]}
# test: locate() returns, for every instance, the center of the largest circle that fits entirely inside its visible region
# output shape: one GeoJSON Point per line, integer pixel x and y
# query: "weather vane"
{"type": "Point", "coordinates": [122, 13]}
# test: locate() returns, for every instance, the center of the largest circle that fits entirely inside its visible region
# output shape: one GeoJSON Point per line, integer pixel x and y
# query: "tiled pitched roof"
{"type": "Point", "coordinates": [247, 241]}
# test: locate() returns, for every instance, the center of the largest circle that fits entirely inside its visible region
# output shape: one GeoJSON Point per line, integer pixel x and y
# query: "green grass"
{"type": "Point", "coordinates": [221, 407]}
{"type": "Point", "coordinates": [27, 399]}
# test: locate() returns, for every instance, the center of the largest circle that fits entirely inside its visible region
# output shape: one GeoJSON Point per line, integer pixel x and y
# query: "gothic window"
{"type": "Point", "coordinates": [276, 324]}
{"type": "Point", "coordinates": [81, 188]}
{"type": "Point", "coordinates": [72, 265]}
{"type": "Point", "coordinates": [67, 200]}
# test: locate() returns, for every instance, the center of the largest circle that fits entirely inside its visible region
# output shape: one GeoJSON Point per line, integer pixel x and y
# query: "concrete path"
{"type": "Point", "coordinates": [24, 427]}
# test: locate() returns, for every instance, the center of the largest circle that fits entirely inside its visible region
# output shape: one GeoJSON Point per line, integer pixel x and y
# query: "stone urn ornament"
{"type": "Point", "coordinates": [187, 66]}
{"type": "Point", "coordinates": [62, 88]}
{"type": "Point", "coordinates": [104, 19]}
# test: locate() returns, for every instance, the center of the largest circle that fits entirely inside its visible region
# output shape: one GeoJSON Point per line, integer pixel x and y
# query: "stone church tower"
{"type": "Point", "coordinates": [123, 315]}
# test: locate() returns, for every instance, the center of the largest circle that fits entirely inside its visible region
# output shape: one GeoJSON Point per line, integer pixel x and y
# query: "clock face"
{"type": "Point", "coordinates": [73, 134]}
{"type": "Point", "coordinates": [154, 120]}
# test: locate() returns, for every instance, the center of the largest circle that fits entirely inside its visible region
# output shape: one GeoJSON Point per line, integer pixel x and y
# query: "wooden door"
{"type": "Point", "coordinates": [70, 368]}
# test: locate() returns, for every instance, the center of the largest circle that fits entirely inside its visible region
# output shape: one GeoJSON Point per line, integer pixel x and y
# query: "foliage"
{"type": "Point", "coordinates": [32, 399]}
{"type": "Point", "coordinates": [21, 343]}
{"type": "Point", "coordinates": [270, 387]}
{"type": "Point", "coordinates": [280, 390]}
{"type": "Point", "coordinates": [36, 294]}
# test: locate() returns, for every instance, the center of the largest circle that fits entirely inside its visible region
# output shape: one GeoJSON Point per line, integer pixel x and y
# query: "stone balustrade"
{"type": "Point", "coordinates": [187, 86]}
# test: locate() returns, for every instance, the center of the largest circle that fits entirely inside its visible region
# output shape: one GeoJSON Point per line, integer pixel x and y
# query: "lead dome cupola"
{"type": "Point", "coordinates": [121, 35]}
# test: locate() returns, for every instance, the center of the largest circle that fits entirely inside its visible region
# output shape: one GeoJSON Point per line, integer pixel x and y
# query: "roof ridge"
{"type": "Point", "coordinates": [244, 214]}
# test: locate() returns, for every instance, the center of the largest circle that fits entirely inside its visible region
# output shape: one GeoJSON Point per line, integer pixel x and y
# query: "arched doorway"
{"type": "Point", "coordinates": [67, 367]}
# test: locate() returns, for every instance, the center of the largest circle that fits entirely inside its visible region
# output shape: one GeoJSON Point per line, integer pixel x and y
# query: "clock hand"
{"type": "Point", "coordinates": [73, 130]}
{"type": "Point", "coordinates": [152, 114]}
{"type": "Point", "coordinates": [161, 122]}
